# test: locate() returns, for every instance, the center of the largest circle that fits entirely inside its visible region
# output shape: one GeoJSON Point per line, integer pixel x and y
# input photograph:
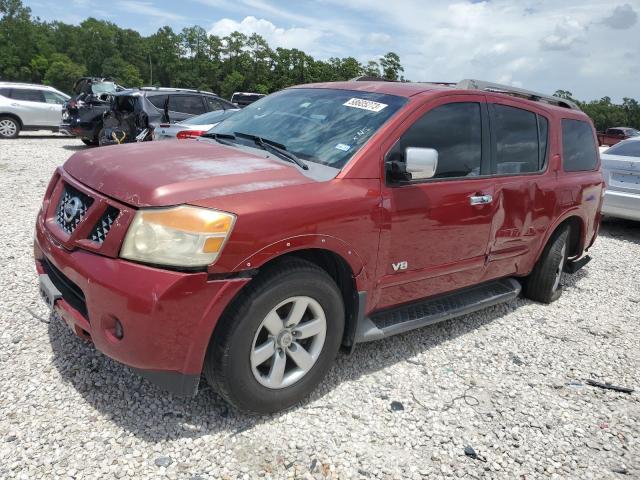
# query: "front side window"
{"type": "Point", "coordinates": [191, 104]}
{"type": "Point", "coordinates": [455, 131]}
{"type": "Point", "coordinates": [27, 95]}
{"type": "Point", "coordinates": [53, 97]}
{"type": "Point", "coordinates": [516, 140]}
{"type": "Point", "coordinates": [578, 146]}
{"type": "Point", "coordinates": [320, 125]}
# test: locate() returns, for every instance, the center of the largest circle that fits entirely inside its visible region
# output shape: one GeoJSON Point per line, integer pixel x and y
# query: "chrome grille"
{"type": "Point", "coordinates": [72, 208]}
{"type": "Point", "coordinates": [101, 229]}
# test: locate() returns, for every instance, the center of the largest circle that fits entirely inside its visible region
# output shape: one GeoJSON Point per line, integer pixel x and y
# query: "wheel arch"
{"type": "Point", "coordinates": [577, 228]}
{"type": "Point", "coordinates": [14, 116]}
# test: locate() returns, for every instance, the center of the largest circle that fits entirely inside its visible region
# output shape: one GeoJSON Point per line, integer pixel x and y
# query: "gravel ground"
{"type": "Point", "coordinates": [508, 381]}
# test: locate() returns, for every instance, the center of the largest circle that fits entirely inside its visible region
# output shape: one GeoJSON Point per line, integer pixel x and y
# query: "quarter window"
{"type": "Point", "coordinates": [191, 104]}
{"type": "Point", "coordinates": [516, 140]}
{"type": "Point", "coordinates": [455, 131]}
{"type": "Point", "coordinates": [578, 146]}
{"type": "Point", "coordinates": [27, 95]}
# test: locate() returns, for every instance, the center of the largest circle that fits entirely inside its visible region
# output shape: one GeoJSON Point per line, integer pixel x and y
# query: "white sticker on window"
{"type": "Point", "coordinates": [343, 147]}
{"type": "Point", "coordinates": [365, 104]}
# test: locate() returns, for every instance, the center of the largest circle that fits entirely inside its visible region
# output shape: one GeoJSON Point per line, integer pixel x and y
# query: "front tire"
{"type": "Point", "coordinates": [9, 127]}
{"type": "Point", "coordinates": [544, 283]}
{"type": "Point", "coordinates": [277, 341]}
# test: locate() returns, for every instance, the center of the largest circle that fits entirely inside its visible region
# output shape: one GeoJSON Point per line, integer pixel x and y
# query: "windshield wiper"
{"type": "Point", "coordinates": [221, 138]}
{"type": "Point", "coordinates": [277, 148]}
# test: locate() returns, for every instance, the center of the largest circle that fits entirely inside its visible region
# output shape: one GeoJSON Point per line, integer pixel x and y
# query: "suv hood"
{"type": "Point", "coordinates": [176, 172]}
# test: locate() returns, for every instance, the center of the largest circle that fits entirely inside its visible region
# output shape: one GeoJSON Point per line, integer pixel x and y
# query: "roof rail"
{"type": "Point", "coordinates": [370, 78]}
{"type": "Point", "coordinates": [175, 89]}
{"type": "Point", "coordinates": [469, 84]}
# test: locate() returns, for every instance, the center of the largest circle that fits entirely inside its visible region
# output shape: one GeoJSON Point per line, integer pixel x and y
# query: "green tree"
{"type": "Point", "coordinates": [391, 66]}
{"type": "Point", "coordinates": [63, 72]}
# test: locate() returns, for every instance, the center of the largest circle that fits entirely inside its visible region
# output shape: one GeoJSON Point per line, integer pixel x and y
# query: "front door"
{"type": "Point", "coordinates": [437, 231]}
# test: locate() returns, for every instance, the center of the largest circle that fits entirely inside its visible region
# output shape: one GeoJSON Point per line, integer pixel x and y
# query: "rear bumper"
{"type": "Point", "coordinates": [621, 205]}
{"type": "Point", "coordinates": [83, 130]}
{"type": "Point", "coordinates": [167, 317]}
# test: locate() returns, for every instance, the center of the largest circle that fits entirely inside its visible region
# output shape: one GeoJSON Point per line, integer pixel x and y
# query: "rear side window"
{"type": "Point", "coordinates": [516, 140]}
{"type": "Point", "coordinates": [158, 101]}
{"type": "Point", "coordinates": [191, 104]}
{"type": "Point", "coordinates": [455, 131]}
{"type": "Point", "coordinates": [5, 92]}
{"type": "Point", "coordinates": [625, 149]}
{"type": "Point", "coordinates": [578, 146]}
{"type": "Point", "coordinates": [27, 95]}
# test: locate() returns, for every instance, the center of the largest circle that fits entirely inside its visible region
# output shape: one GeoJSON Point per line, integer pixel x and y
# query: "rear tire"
{"type": "Point", "coordinates": [90, 142]}
{"type": "Point", "coordinates": [544, 282]}
{"type": "Point", "coordinates": [237, 364]}
{"type": "Point", "coordinates": [9, 127]}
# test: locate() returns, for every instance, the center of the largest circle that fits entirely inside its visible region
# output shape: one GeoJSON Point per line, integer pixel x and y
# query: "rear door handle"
{"type": "Point", "coordinates": [480, 199]}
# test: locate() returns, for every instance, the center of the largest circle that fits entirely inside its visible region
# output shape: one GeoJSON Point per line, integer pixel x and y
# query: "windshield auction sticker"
{"type": "Point", "coordinates": [365, 104]}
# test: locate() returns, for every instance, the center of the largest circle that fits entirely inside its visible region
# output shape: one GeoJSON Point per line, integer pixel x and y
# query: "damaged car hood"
{"type": "Point", "coordinates": [176, 172]}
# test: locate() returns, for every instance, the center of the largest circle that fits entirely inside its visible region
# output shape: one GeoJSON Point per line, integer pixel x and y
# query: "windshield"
{"type": "Point", "coordinates": [103, 87]}
{"type": "Point", "coordinates": [319, 125]}
{"type": "Point", "coordinates": [210, 117]}
{"type": "Point", "coordinates": [632, 132]}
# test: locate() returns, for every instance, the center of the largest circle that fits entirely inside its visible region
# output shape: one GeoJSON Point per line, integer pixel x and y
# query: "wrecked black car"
{"type": "Point", "coordinates": [82, 114]}
{"type": "Point", "coordinates": [134, 114]}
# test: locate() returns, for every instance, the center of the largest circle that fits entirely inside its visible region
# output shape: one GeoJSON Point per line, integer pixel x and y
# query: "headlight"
{"type": "Point", "coordinates": [179, 236]}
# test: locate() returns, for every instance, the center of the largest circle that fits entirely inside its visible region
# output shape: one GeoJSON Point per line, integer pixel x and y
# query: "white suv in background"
{"type": "Point", "coordinates": [25, 106]}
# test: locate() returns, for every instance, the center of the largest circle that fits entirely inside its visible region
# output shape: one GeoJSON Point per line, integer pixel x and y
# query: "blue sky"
{"type": "Point", "coordinates": [586, 46]}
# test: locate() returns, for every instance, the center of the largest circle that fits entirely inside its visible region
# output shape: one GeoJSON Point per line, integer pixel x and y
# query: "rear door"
{"type": "Point", "coordinates": [33, 109]}
{"type": "Point", "coordinates": [437, 232]}
{"type": "Point", "coordinates": [523, 193]}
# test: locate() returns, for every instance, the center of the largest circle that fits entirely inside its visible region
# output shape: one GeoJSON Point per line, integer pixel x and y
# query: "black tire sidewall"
{"type": "Point", "coordinates": [233, 358]}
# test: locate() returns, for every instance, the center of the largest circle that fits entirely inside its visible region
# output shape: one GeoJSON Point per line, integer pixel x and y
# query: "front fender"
{"type": "Point", "coordinates": [303, 242]}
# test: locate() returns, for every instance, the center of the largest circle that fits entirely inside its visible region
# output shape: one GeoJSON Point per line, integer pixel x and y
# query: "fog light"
{"type": "Point", "coordinates": [118, 331]}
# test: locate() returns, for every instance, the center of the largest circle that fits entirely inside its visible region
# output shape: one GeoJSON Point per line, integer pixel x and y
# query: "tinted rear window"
{"type": "Point", "coordinates": [516, 133]}
{"type": "Point", "coordinates": [625, 149]}
{"type": "Point", "coordinates": [578, 146]}
{"type": "Point", "coordinates": [27, 95]}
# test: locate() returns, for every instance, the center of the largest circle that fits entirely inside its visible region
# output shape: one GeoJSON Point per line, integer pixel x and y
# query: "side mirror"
{"type": "Point", "coordinates": [421, 163]}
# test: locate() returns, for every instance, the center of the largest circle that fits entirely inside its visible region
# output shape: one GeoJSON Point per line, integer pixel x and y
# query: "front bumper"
{"type": "Point", "coordinates": [167, 317]}
{"type": "Point", "coordinates": [621, 205]}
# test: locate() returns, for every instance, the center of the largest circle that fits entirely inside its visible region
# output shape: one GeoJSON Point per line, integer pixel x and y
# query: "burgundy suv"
{"type": "Point", "coordinates": [320, 216]}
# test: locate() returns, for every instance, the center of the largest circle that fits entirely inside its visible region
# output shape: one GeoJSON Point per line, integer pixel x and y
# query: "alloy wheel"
{"type": "Point", "coordinates": [288, 342]}
{"type": "Point", "coordinates": [8, 128]}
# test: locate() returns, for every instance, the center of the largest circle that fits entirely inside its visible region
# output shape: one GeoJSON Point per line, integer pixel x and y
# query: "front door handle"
{"type": "Point", "coordinates": [480, 199]}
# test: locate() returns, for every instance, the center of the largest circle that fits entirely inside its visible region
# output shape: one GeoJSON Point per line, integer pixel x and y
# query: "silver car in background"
{"type": "Point", "coordinates": [26, 106]}
{"type": "Point", "coordinates": [621, 171]}
{"type": "Point", "coordinates": [192, 127]}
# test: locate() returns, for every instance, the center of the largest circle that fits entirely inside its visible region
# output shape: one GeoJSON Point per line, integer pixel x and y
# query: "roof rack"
{"type": "Point", "coordinates": [469, 84]}
{"type": "Point", "coordinates": [174, 89]}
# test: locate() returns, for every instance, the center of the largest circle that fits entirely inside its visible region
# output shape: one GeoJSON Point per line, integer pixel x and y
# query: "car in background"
{"type": "Point", "coordinates": [242, 99]}
{"type": "Point", "coordinates": [26, 106]}
{"type": "Point", "coordinates": [621, 171]}
{"type": "Point", "coordinates": [135, 113]}
{"type": "Point", "coordinates": [192, 127]}
{"type": "Point", "coordinates": [82, 115]}
{"type": "Point", "coordinates": [614, 135]}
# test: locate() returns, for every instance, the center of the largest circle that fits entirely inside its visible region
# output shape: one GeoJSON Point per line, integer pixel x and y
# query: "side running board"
{"type": "Point", "coordinates": [436, 309]}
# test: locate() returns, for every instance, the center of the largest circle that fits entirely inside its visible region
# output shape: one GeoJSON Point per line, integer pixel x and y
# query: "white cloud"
{"type": "Point", "coordinates": [147, 8]}
{"type": "Point", "coordinates": [296, 37]}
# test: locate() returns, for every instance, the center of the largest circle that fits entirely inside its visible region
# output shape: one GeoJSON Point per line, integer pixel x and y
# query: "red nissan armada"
{"type": "Point", "coordinates": [318, 217]}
